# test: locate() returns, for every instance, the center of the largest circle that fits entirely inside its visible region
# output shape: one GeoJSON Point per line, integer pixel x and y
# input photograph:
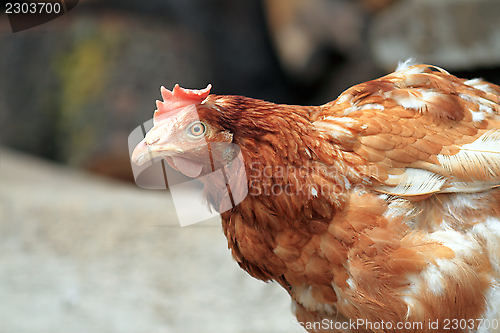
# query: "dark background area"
{"type": "Point", "coordinates": [72, 89]}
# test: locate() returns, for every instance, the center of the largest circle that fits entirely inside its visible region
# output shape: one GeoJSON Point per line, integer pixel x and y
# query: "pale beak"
{"type": "Point", "coordinates": [143, 153]}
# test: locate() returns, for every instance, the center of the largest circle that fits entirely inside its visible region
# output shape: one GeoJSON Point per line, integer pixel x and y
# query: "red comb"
{"type": "Point", "coordinates": [179, 97]}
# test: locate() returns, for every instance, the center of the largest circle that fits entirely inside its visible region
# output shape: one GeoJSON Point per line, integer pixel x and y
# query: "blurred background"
{"type": "Point", "coordinates": [81, 248]}
{"type": "Point", "coordinates": [76, 87]}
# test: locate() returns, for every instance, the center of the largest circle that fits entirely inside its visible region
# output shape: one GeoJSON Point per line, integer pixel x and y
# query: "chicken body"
{"type": "Point", "coordinates": [378, 211]}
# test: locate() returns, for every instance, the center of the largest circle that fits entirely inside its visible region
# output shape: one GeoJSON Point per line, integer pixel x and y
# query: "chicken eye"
{"type": "Point", "coordinates": [197, 129]}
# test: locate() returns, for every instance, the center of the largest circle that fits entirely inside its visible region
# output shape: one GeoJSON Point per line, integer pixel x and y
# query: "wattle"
{"type": "Point", "coordinates": [187, 167]}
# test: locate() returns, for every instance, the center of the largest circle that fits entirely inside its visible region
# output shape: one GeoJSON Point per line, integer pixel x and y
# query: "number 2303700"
{"type": "Point", "coordinates": [32, 8]}
{"type": "Point", "coordinates": [454, 324]}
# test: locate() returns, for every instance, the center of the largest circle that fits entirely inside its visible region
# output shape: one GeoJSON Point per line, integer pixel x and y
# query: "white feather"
{"type": "Point", "coordinates": [415, 182]}
{"type": "Point", "coordinates": [403, 65]}
{"type": "Point", "coordinates": [479, 160]}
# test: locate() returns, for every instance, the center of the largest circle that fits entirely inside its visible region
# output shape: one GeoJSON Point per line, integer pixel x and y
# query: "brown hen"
{"type": "Point", "coordinates": [377, 212]}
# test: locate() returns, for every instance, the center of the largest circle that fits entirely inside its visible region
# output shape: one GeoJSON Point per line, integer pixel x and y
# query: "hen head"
{"type": "Point", "coordinates": [188, 133]}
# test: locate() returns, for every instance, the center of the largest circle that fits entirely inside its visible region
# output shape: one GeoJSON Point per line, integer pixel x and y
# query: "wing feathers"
{"type": "Point", "coordinates": [427, 122]}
